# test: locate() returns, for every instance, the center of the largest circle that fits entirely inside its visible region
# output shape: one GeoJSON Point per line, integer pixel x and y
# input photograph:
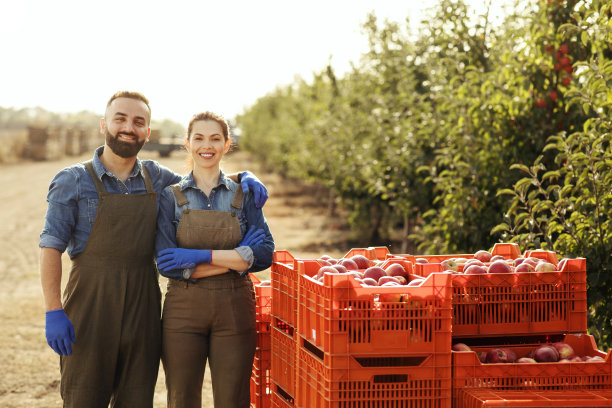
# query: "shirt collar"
{"type": "Point", "coordinates": [189, 182]}
{"type": "Point", "coordinates": [101, 170]}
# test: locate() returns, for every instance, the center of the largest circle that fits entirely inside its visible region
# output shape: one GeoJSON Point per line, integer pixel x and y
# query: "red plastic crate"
{"type": "Point", "coordinates": [263, 307]}
{"type": "Point", "coordinates": [260, 379]}
{"type": "Point", "coordinates": [327, 380]}
{"type": "Point", "coordinates": [284, 287]}
{"type": "Point", "coordinates": [470, 373]}
{"type": "Point", "coordinates": [280, 399]}
{"type": "Point", "coordinates": [521, 303]}
{"type": "Point", "coordinates": [372, 253]}
{"type": "Point", "coordinates": [340, 316]}
{"type": "Point", "coordinates": [535, 399]}
{"type": "Point", "coordinates": [505, 249]}
{"type": "Point", "coordinates": [284, 351]}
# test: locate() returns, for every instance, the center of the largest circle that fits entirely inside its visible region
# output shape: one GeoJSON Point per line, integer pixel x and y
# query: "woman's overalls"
{"type": "Point", "coordinates": [212, 319]}
{"type": "Point", "coordinates": [113, 299]}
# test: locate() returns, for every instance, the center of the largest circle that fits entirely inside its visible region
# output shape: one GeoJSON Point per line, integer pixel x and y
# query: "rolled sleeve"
{"type": "Point", "coordinates": [262, 253]}
{"type": "Point", "coordinates": [62, 211]}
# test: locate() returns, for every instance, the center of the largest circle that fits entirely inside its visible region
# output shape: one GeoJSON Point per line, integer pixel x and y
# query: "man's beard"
{"type": "Point", "coordinates": [121, 148]}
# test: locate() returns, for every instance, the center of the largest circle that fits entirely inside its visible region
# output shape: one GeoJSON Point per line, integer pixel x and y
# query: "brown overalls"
{"type": "Point", "coordinates": [212, 319]}
{"type": "Point", "coordinates": [113, 300]}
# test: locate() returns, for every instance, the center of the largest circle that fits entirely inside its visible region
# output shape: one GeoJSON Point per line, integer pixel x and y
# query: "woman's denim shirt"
{"type": "Point", "coordinates": [258, 257]}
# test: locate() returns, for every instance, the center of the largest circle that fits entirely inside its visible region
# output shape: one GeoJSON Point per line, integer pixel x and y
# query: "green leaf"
{"type": "Point", "coordinates": [503, 227]}
{"type": "Point", "coordinates": [522, 167]}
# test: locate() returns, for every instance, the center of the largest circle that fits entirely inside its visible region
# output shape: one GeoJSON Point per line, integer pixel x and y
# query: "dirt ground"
{"type": "Point", "coordinates": [30, 373]}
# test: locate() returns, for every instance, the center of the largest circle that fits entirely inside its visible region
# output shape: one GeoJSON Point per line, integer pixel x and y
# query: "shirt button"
{"type": "Point", "coordinates": [209, 205]}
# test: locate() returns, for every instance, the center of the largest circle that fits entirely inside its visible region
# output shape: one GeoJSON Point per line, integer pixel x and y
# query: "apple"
{"type": "Point", "coordinates": [396, 269]}
{"type": "Point", "coordinates": [460, 347]}
{"type": "Point", "coordinates": [361, 261]}
{"type": "Point", "coordinates": [546, 353]}
{"type": "Point", "coordinates": [349, 264]}
{"type": "Point", "coordinates": [483, 256]}
{"type": "Point", "coordinates": [497, 258]}
{"type": "Point", "coordinates": [325, 256]}
{"type": "Point", "coordinates": [384, 279]}
{"type": "Point", "coordinates": [416, 282]}
{"type": "Point", "coordinates": [565, 350]}
{"type": "Point", "coordinates": [340, 268]}
{"type": "Point", "coordinates": [526, 360]}
{"type": "Point", "coordinates": [323, 262]}
{"type": "Point", "coordinates": [368, 282]}
{"type": "Point", "coordinates": [327, 268]}
{"type": "Point", "coordinates": [499, 267]}
{"type": "Point", "coordinates": [524, 267]}
{"type": "Point", "coordinates": [332, 261]}
{"type": "Point", "coordinates": [530, 262]}
{"type": "Point", "coordinates": [518, 261]}
{"type": "Point", "coordinates": [265, 283]}
{"type": "Point", "coordinates": [475, 270]}
{"type": "Point", "coordinates": [473, 261]}
{"type": "Point", "coordinates": [497, 355]}
{"type": "Point", "coordinates": [449, 264]}
{"type": "Point", "coordinates": [594, 359]}
{"type": "Point", "coordinates": [421, 261]}
{"type": "Point", "coordinates": [389, 284]}
{"type": "Point", "coordinates": [545, 267]}
{"type": "Point", "coordinates": [510, 355]}
{"type": "Point", "coordinates": [401, 280]}
{"type": "Point", "coordinates": [460, 261]}
{"type": "Point", "coordinates": [482, 356]}
{"type": "Point", "coordinates": [374, 272]}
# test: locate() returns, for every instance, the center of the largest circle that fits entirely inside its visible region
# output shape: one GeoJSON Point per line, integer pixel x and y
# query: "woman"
{"type": "Point", "coordinates": [210, 235]}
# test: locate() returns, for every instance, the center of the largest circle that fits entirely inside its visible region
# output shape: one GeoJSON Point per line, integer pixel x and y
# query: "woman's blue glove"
{"type": "Point", "coordinates": [59, 332]}
{"type": "Point", "coordinates": [175, 258]}
{"type": "Point", "coordinates": [252, 237]}
{"type": "Point", "coordinates": [248, 181]}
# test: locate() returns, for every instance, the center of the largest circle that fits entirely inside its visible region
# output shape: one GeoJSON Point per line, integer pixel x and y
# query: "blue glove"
{"type": "Point", "coordinates": [59, 332]}
{"type": "Point", "coordinates": [248, 181]}
{"type": "Point", "coordinates": [252, 237]}
{"type": "Point", "coordinates": [175, 258]}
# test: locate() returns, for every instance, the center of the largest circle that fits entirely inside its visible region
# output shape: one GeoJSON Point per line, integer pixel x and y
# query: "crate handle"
{"type": "Point", "coordinates": [390, 378]}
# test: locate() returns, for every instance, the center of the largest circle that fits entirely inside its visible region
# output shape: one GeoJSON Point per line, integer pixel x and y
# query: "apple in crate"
{"type": "Point", "coordinates": [374, 272]}
{"type": "Point", "coordinates": [323, 262]}
{"type": "Point", "coordinates": [500, 267]}
{"type": "Point", "coordinates": [497, 258]}
{"type": "Point", "coordinates": [384, 279]}
{"type": "Point", "coordinates": [265, 283]}
{"type": "Point", "coordinates": [472, 262]}
{"type": "Point", "coordinates": [396, 269]}
{"type": "Point", "coordinates": [565, 350]}
{"type": "Point", "coordinates": [475, 270]}
{"type": "Point", "coordinates": [460, 347]}
{"type": "Point", "coordinates": [389, 283]}
{"type": "Point", "coordinates": [416, 282]}
{"type": "Point", "coordinates": [368, 282]}
{"type": "Point", "coordinates": [323, 269]}
{"type": "Point", "coordinates": [526, 360]}
{"type": "Point", "coordinates": [449, 265]}
{"type": "Point", "coordinates": [421, 261]}
{"type": "Point", "coordinates": [483, 256]}
{"type": "Point", "coordinates": [524, 267]}
{"type": "Point", "coordinates": [340, 268]}
{"type": "Point", "coordinates": [546, 353]}
{"type": "Point", "coordinates": [518, 261]}
{"type": "Point", "coordinates": [361, 261]}
{"type": "Point", "coordinates": [496, 356]}
{"type": "Point", "coordinates": [545, 267]}
{"type": "Point", "coordinates": [349, 264]}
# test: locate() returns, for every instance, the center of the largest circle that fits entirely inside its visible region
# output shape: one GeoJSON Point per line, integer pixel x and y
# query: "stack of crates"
{"type": "Point", "coordinates": [521, 311]}
{"type": "Point", "coordinates": [338, 344]}
{"type": "Point", "coordinates": [260, 376]}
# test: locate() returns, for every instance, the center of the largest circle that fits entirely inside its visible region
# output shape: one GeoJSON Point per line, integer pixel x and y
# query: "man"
{"type": "Point", "coordinates": [103, 212]}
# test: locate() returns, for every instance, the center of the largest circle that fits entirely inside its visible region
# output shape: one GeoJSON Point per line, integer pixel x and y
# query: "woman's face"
{"type": "Point", "coordinates": [207, 144]}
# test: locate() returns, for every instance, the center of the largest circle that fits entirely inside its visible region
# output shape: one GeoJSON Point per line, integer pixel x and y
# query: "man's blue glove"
{"type": "Point", "coordinates": [252, 237]}
{"type": "Point", "coordinates": [59, 332]}
{"type": "Point", "coordinates": [175, 258]}
{"type": "Point", "coordinates": [248, 181]}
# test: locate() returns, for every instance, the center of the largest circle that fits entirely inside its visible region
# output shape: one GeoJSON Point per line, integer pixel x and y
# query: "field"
{"type": "Point", "coordinates": [30, 373]}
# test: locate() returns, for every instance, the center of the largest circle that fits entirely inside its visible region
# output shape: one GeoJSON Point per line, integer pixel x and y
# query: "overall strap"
{"type": "Point", "coordinates": [238, 195]}
{"type": "Point", "coordinates": [181, 200]}
{"type": "Point", "coordinates": [147, 179]}
{"type": "Point", "coordinates": [97, 182]}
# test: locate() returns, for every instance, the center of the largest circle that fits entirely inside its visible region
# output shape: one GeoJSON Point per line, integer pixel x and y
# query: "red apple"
{"type": "Point", "coordinates": [390, 283]}
{"type": "Point", "coordinates": [421, 261]}
{"type": "Point", "coordinates": [594, 359]}
{"type": "Point", "coordinates": [565, 350]}
{"type": "Point", "coordinates": [449, 264]}
{"type": "Point", "coordinates": [361, 261]}
{"type": "Point", "coordinates": [460, 347]}
{"type": "Point", "coordinates": [368, 282]}
{"type": "Point", "coordinates": [325, 256]}
{"type": "Point", "coordinates": [416, 282]}
{"type": "Point", "coordinates": [402, 280]}
{"type": "Point", "coordinates": [483, 256]}
{"type": "Point", "coordinates": [374, 272]}
{"type": "Point", "coordinates": [499, 267]}
{"type": "Point", "coordinates": [475, 270]}
{"type": "Point", "coordinates": [323, 269]}
{"type": "Point", "coordinates": [545, 267]}
{"type": "Point", "coordinates": [510, 355]}
{"type": "Point", "coordinates": [460, 261]}
{"type": "Point", "coordinates": [385, 279]}
{"type": "Point", "coordinates": [546, 353]}
{"type": "Point", "coordinates": [340, 268]}
{"type": "Point", "coordinates": [482, 356]}
{"type": "Point", "coordinates": [518, 261]}
{"type": "Point", "coordinates": [497, 355]}
{"type": "Point", "coordinates": [265, 283]}
{"type": "Point", "coordinates": [349, 264]}
{"type": "Point", "coordinates": [526, 360]}
{"type": "Point", "coordinates": [323, 262]}
{"type": "Point", "coordinates": [396, 269]}
{"type": "Point", "coordinates": [524, 267]}
{"type": "Point", "coordinates": [497, 258]}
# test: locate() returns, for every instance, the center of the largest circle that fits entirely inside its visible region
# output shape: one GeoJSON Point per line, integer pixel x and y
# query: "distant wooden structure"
{"type": "Point", "coordinates": [55, 142]}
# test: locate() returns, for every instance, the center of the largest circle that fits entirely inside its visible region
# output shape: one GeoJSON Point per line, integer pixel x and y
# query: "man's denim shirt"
{"type": "Point", "coordinates": [258, 257]}
{"type": "Point", "coordinates": [73, 200]}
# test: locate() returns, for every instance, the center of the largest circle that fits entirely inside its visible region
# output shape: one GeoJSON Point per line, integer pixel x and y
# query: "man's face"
{"type": "Point", "coordinates": [126, 126]}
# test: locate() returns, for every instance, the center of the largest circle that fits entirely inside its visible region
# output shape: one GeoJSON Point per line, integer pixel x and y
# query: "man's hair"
{"type": "Point", "coordinates": [132, 95]}
{"type": "Point", "coordinates": [209, 116]}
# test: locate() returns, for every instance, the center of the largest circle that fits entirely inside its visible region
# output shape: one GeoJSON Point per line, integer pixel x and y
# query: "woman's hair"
{"type": "Point", "coordinates": [209, 116]}
{"type": "Point", "coordinates": [206, 116]}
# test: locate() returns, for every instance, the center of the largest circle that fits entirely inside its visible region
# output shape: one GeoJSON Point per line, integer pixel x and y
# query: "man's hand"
{"type": "Point", "coordinates": [59, 332]}
{"type": "Point", "coordinates": [175, 258]}
{"type": "Point", "coordinates": [252, 237]}
{"type": "Point", "coordinates": [248, 181]}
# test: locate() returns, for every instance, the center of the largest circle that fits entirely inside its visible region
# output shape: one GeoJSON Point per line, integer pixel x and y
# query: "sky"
{"type": "Point", "coordinates": [186, 56]}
